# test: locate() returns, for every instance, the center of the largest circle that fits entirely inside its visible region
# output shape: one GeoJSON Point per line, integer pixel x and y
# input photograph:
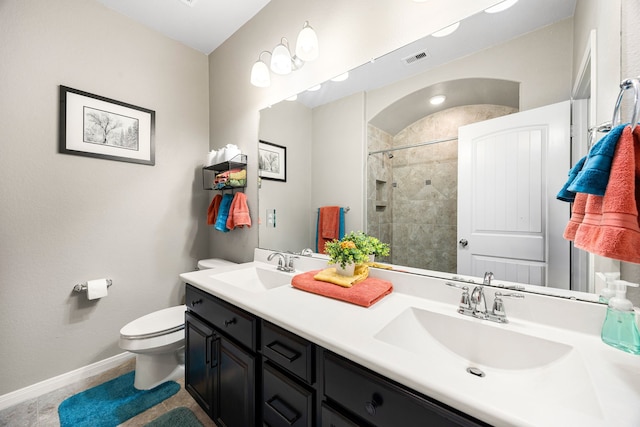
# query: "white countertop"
{"type": "Point", "coordinates": [594, 385]}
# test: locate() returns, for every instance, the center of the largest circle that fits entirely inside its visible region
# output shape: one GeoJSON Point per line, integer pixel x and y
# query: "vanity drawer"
{"type": "Point", "coordinates": [229, 319]}
{"type": "Point", "coordinates": [380, 401]}
{"type": "Point", "coordinates": [333, 418]}
{"type": "Point", "coordinates": [286, 402]}
{"type": "Point", "coordinates": [289, 351]}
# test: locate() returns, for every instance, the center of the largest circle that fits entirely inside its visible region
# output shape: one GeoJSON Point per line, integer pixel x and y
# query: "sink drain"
{"type": "Point", "coordinates": [475, 371]}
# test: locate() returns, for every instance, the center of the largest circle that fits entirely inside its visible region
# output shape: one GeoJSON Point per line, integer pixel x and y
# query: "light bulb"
{"type": "Point", "coordinates": [437, 100]}
{"type": "Point", "coordinates": [307, 43]}
{"type": "Point", "coordinates": [260, 74]}
{"type": "Point", "coordinates": [281, 60]}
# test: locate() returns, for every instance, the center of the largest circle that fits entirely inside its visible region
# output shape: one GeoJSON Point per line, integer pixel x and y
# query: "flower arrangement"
{"type": "Point", "coordinates": [355, 248]}
{"type": "Point", "coordinates": [368, 244]}
{"type": "Point", "coordinates": [343, 252]}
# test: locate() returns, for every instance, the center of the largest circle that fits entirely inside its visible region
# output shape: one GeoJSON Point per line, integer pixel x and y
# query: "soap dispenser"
{"type": "Point", "coordinates": [620, 329]}
{"type": "Point", "coordinates": [607, 292]}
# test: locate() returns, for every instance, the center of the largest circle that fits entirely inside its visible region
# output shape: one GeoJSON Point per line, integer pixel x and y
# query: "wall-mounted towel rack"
{"type": "Point", "coordinates": [624, 85]}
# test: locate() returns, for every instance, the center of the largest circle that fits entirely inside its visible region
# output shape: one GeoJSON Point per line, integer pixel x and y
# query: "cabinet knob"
{"type": "Point", "coordinates": [372, 405]}
{"type": "Point", "coordinates": [230, 322]}
{"type": "Point", "coordinates": [196, 302]}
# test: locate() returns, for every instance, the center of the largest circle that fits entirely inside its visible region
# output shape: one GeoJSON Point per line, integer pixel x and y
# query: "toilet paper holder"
{"type": "Point", "coordinates": [82, 287]}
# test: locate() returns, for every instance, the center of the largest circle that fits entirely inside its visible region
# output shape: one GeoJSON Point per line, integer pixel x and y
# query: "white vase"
{"type": "Point", "coordinates": [372, 258]}
{"type": "Point", "coordinates": [348, 270]}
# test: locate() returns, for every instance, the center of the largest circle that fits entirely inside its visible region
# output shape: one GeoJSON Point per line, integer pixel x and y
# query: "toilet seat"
{"type": "Point", "coordinates": [158, 323]}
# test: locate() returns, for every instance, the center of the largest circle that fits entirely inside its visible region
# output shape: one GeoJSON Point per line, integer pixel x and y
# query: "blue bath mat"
{"type": "Point", "coordinates": [112, 403]}
{"type": "Point", "coordinates": [182, 417]}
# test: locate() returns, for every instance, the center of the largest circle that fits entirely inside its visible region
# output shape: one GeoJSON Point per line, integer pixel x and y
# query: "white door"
{"type": "Point", "coordinates": [509, 220]}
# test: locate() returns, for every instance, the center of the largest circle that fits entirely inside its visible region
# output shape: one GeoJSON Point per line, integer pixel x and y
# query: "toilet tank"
{"type": "Point", "coordinates": [205, 264]}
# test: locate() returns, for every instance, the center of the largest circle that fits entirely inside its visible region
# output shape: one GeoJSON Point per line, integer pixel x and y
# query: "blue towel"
{"type": "Point", "coordinates": [564, 194]}
{"type": "Point", "coordinates": [223, 213]}
{"type": "Point", "coordinates": [594, 176]}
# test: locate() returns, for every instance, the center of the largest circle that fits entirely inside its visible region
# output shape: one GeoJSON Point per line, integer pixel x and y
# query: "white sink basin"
{"type": "Point", "coordinates": [254, 278]}
{"type": "Point", "coordinates": [478, 342]}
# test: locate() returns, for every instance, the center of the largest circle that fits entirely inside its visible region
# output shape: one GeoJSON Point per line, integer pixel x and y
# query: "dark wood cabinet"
{"type": "Point", "coordinates": [244, 371]}
{"type": "Point", "coordinates": [220, 371]}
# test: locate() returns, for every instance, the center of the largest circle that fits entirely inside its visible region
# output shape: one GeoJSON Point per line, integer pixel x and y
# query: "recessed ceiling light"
{"type": "Point", "coordinates": [506, 4]}
{"type": "Point", "coordinates": [437, 100]}
{"type": "Point", "coordinates": [314, 88]}
{"type": "Point", "coordinates": [446, 30]}
{"type": "Point", "coordinates": [342, 77]}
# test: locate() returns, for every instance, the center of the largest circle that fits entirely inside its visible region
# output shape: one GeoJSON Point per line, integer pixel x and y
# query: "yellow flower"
{"type": "Point", "coordinates": [347, 245]}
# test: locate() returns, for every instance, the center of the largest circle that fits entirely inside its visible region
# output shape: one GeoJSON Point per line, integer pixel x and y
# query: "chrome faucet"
{"type": "Point", "coordinates": [475, 305]}
{"type": "Point", "coordinates": [285, 261]}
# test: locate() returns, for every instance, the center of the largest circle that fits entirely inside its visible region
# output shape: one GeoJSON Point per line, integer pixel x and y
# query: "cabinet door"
{"type": "Point", "coordinates": [236, 385]}
{"type": "Point", "coordinates": [199, 358]}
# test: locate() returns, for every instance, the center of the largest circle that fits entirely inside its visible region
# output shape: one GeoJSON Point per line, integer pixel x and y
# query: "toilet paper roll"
{"type": "Point", "coordinates": [96, 288]}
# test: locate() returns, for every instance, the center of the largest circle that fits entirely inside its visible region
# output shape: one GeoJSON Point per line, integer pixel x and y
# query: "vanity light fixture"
{"type": "Point", "coordinates": [506, 4]}
{"type": "Point", "coordinates": [291, 98]}
{"type": "Point", "coordinates": [260, 76]}
{"type": "Point", "coordinates": [342, 77]}
{"type": "Point", "coordinates": [282, 62]}
{"type": "Point", "coordinates": [446, 30]}
{"type": "Point", "coordinates": [437, 100]}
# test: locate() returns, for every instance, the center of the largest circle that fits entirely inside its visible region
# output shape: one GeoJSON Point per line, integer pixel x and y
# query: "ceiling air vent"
{"type": "Point", "coordinates": [412, 59]}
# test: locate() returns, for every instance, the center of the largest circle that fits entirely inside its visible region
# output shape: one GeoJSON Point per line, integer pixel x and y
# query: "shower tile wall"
{"type": "Point", "coordinates": [421, 217]}
{"type": "Point", "coordinates": [379, 194]}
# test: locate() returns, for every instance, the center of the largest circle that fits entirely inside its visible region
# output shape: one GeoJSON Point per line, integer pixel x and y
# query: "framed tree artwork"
{"type": "Point", "coordinates": [272, 161]}
{"type": "Point", "coordinates": [95, 126]}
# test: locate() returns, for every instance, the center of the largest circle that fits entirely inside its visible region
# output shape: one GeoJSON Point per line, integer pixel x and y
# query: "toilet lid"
{"type": "Point", "coordinates": [159, 322]}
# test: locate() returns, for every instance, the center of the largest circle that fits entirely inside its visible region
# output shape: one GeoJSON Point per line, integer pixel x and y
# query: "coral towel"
{"type": "Point", "coordinates": [212, 212]}
{"type": "Point", "coordinates": [365, 293]}
{"type": "Point", "coordinates": [238, 212]}
{"type": "Point", "coordinates": [328, 226]}
{"type": "Point", "coordinates": [610, 227]}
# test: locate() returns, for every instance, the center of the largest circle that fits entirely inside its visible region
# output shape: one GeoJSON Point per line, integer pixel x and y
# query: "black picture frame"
{"type": "Point", "coordinates": [272, 161]}
{"type": "Point", "coordinates": [95, 126]}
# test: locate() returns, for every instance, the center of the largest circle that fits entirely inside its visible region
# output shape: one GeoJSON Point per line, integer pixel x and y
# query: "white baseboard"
{"type": "Point", "coordinates": [46, 386]}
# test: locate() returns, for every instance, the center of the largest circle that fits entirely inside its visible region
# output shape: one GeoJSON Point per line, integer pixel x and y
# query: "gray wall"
{"type": "Point", "coordinates": [66, 219]}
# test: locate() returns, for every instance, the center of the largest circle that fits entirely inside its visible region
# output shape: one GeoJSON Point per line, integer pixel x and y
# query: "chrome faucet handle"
{"type": "Point", "coordinates": [289, 263]}
{"type": "Point", "coordinates": [498, 312]}
{"type": "Point", "coordinates": [488, 277]}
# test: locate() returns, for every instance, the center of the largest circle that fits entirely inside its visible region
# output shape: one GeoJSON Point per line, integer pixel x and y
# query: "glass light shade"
{"type": "Point", "coordinates": [281, 60]}
{"type": "Point", "coordinates": [437, 100]}
{"type": "Point", "coordinates": [307, 43]}
{"type": "Point", "coordinates": [342, 77]}
{"type": "Point", "coordinates": [446, 30]}
{"type": "Point", "coordinates": [260, 74]}
{"type": "Point", "coordinates": [506, 4]}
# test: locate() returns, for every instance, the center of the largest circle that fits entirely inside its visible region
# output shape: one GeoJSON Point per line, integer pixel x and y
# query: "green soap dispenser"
{"type": "Point", "coordinates": [620, 329]}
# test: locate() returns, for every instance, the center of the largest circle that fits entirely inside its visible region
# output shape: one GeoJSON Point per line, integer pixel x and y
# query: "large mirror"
{"type": "Point", "coordinates": [374, 145]}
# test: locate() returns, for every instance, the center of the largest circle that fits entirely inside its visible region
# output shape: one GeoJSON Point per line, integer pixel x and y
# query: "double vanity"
{"type": "Point", "coordinates": [260, 352]}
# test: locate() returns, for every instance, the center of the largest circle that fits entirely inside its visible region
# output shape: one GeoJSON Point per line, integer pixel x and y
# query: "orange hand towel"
{"type": "Point", "coordinates": [212, 212]}
{"type": "Point", "coordinates": [365, 293]}
{"type": "Point", "coordinates": [328, 225]}
{"type": "Point", "coordinates": [577, 216]}
{"type": "Point", "coordinates": [617, 234]}
{"type": "Point", "coordinates": [238, 212]}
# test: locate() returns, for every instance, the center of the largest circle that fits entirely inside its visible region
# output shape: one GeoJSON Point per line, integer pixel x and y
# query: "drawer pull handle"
{"type": "Point", "coordinates": [284, 351]}
{"type": "Point", "coordinates": [230, 322]}
{"type": "Point", "coordinates": [281, 408]}
{"type": "Point", "coordinates": [196, 302]}
{"type": "Point", "coordinates": [372, 405]}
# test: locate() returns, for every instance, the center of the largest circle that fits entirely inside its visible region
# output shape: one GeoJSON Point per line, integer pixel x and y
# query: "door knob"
{"type": "Point", "coordinates": [463, 243]}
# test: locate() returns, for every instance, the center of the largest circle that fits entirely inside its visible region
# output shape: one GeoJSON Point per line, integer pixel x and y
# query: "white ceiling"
{"type": "Point", "coordinates": [201, 24]}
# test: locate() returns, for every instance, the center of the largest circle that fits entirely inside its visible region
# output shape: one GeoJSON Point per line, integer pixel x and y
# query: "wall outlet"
{"type": "Point", "coordinates": [271, 218]}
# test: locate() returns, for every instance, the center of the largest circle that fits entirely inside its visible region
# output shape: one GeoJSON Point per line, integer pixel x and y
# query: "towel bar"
{"type": "Point", "coordinates": [82, 287]}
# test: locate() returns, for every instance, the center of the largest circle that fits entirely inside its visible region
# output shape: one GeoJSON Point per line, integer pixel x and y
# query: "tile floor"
{"type": "Point", "coordinates": [43, 411]}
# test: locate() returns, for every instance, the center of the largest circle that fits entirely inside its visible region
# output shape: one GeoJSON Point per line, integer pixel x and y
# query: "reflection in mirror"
{"type": "Point", "coordinates": [527, 61]}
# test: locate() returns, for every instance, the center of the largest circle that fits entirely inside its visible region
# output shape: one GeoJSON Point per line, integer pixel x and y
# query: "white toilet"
{"type": "Point", "coordinates": [158, 341]}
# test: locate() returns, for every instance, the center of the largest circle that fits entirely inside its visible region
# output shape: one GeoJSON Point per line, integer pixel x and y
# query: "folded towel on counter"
{"type": "Point", "coordinates": [223, 213]}
{"type": "Point", "coordinates": [613, 229]}
{"type": "Point", "coordinates": [365, 293]}
{"type": "Point", "coordinates": [564, 194]}
{"type": "Point", "coordinates": [378, 265]}
{"type": "Point", "coordinates": [330, 275]}
{"type": "Point", "coordinates": [212, 212]}
{"type": "Point", "coordinates": [238, 212]}
{"type": "Point", "coordinates": [594, 175]}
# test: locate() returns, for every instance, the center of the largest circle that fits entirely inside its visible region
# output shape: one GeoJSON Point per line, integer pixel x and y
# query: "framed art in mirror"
{"type": "Point", "coordinates": [95, 126]}
{"type": "Point", "coordinates": [272, 161]}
